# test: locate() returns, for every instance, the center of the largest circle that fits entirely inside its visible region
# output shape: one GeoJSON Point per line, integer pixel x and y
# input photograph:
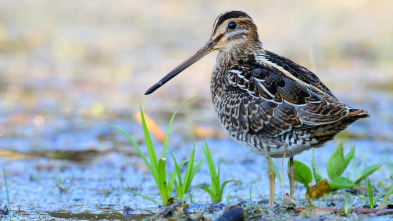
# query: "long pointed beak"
{"type": "Point", "coordinates": [206, 49]}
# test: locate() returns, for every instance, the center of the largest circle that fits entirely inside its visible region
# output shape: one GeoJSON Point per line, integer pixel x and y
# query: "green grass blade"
{"type": "Point", "coordinates": [368, 171]}
{"type": "Point", "coordinates": [229, 194]}
{"type": "Point", "coordinates": [187, 176]}
{"type": "Point", "coordinates": [212, 195]}
{"type": "Point", "coordinates": [8, 196]}
{"type": "Point", "coordinates": [215, 179]}
{"type": "Point", "coordinates": [177, 167]}
{"type": "Point", "coordinates": [150, 147]}
{"type": "Point", "coordinates": [224, 184]}
{"type": "Point", "coordinates": [376, 199]}
{"type": "Point", "coordinates": [278, 175]}
{"type": "Point", "coordinates": [138, 149]}
{"type": "Point", "coordinates": [138, 194]}
{"type": "Point", "coordinates": [316, 173]}
{"type": "Point", "coordinates": [195, 169]}
{"type": "Point", "coordinates": [386, 197]}
{"type": "Point", "coordinates": [346, 205]}
{"type": "Point", "coordinates": [162, 185]}
{"type": "Point", "coordinates": [250, 192]}
{"type": "Point", "coordinates": [218, 173]}
{"type": "Point", "coordinates": [170, 126]}
{"type": "Point", "coordinates": [209, 160]}
{"type": "Point", "coordinates": [179, 193]}
{"type": "Point", "coordinates": [191, 199]}
{"type": "Point", "coordinates": [171, 182]}
{"type": "Point", "coordinates": [370, 195]}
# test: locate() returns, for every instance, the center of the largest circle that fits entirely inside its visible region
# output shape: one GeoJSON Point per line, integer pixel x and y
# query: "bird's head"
{"type": "Point", "coordinates": [232, 31]}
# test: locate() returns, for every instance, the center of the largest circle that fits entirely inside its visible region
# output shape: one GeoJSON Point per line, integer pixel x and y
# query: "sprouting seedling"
{"type": "Point", "coordinates": [182, 186]}
{"type": "Point", "coordinates": [372, 199]}
{"type": "Point", "coordinates": [61, 185]}
{"type": "Point", "coordinates": [156, 165]}
{"type": "Point", "coordinates": [250, 192]}
{"type": "Point", "coordinates": [8, 195]}
{"type": "Point", "coordinates": [386, 197]}
{"type": "Point", "coordinates": [315, 171]}
{"type": "Point", "coordinates": [346, 205]}
{"type": "Point", "coordinates": [216, 189]}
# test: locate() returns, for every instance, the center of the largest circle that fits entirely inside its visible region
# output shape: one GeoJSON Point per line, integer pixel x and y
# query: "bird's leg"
{"type": "Point", "coordinates": [284, 195]}
{"type": "Point", "coordinates": [291, 177]}
{"type": "Point", "coordinates": [272, 179]}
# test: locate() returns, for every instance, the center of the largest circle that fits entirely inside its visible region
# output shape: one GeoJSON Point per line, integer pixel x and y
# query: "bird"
{"type": "Point", "coordinates": [266, 102]}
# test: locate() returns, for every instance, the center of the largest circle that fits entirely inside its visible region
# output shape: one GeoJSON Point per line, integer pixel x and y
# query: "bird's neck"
{"type": "Point", "coordinates": [226, 59]}
{"type": "Point", "coordinates": [230, 57]}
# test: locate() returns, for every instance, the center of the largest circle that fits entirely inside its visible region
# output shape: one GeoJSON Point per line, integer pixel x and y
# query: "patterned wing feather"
{"type": "Point", "coordinates": [297, 71]}
{"type": "Point", "coordinates": [277, 103]}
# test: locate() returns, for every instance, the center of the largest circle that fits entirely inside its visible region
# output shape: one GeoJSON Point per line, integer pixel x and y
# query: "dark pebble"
{"type": "Point", "coordinates": [234, 214]}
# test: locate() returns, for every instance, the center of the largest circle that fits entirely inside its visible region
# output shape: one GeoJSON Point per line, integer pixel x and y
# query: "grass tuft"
{"type": "Point", "coordinates": [61, 184]}
{"type": "Point", "coordinates": [183, 185]}
{"type": "Point", "coordinates": [372, 199]}
{"type": "Point", "coordinates": [216, 189]}
{"type": "Point", "coordinates": [157, 166]}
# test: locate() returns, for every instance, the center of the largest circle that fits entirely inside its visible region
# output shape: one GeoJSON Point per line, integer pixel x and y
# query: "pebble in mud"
{"type": "Point", "coordinates": [4, 211]}
{"type": "Point", "coordinates": [128, 211]}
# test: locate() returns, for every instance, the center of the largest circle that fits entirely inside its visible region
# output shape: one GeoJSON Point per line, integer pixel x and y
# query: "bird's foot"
{"type": "Point", "coordinates": [287, 202]}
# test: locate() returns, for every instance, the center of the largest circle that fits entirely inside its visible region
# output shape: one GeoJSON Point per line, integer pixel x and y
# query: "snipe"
{"type": "Point", "coordinates": [266, 102]}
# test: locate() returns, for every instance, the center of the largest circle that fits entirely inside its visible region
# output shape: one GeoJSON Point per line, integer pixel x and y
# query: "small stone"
{"type": "Point", "coordinates": [128, 211]}
{"type": "Point", "coordinates": [4, 211]}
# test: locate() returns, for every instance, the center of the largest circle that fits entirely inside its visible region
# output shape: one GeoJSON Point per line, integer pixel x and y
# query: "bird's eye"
{"type": "Point", "coordinates": [232, 25]}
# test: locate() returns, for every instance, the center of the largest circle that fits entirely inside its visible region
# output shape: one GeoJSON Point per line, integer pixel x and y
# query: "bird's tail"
{"type": "Point", "coordinates": [356, 114]}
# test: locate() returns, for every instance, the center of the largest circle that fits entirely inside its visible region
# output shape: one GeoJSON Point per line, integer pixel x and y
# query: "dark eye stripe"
{"type": "Point", "coordinates": [228, 15]}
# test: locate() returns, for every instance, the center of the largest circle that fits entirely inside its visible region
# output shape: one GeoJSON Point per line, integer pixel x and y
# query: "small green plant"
{"type": "Point", "coordinates": [308, 211]}
{"type": "Point", "coordinates": [386, 197]}
{"type": "Point", "coordinates": [61, 185]}
{"type": "Point", "coordinates": [372, 199]}
{"type": "Point", "coordinates": [250, 185]}
{"type": "Point", "coordinates": [182, 186]}
{"type": "Point", "coordinates": [8, 196]}
{"type": "Point", "coordinates": [315, 171]}
{"type": "Point", "coordinates": [346, 205]}
{"type": "Point", "coordinates": [157, 166]}
{"type": "Point", "coordinates": [336, 166]}
{"type": "Point", "coordinates": [216, 189]}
